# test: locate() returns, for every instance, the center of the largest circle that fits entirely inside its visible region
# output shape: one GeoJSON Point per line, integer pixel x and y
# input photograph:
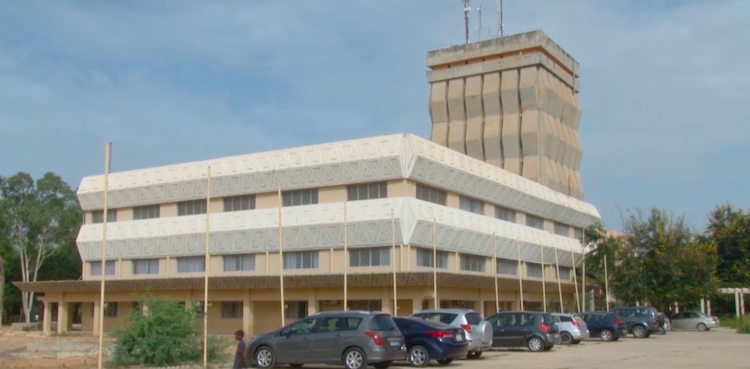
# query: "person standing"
{"type": "Point", "coordinates": [240, 355]}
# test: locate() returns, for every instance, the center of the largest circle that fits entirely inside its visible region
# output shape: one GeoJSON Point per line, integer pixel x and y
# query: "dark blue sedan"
{"type": "Point", "coordinates": [431, 340]}
{"type": "Point", "coordinates": [605, 325]}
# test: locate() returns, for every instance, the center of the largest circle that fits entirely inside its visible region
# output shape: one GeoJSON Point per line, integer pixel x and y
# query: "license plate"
{"type": "Point", "coordinates": [395, 343]}
{"type": "Point", "coordinates": [459, 337]}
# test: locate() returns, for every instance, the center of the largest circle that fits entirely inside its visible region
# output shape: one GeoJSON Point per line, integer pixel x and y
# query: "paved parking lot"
{"type": "Point", "coordinates": [719, 348]}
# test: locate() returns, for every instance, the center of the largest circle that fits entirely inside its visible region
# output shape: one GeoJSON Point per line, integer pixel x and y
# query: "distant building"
{"type": "Point", "coordinates": [503, 180]}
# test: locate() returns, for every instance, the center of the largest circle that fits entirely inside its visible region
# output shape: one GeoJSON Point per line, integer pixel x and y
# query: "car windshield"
{"type": "Point", "coordinates": [473, 318]}
{"type": "Point", "coordinates": [380, 323]}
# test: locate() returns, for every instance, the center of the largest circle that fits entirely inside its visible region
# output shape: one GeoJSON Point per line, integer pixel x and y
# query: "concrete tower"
{"type": "Point", "coordinates": [512, 102]}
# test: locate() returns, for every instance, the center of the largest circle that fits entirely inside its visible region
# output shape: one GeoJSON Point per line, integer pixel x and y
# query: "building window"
{"type": "Point", "coordinates": [425, 257]}
{"type": "Point", "coordinates": [97, 216]}
{"type": "Point", "coordinates": [146, 266]}
{"type": "Point", "coordinates": [231, 310]}
{"type": "Point", "coordinates": [146, 212]}
{"type": "Point", "coordinates": [507, 267]}
{"type": "Point", "coordinates": [239, 203]}
{"type": "Point", "coordinates": [564, 273]}
{"type": "Point", "coordinates": [472, 263]}
{"type": "Point", "coordinates": [110, 309]}
{"type": "Point", "coordinates": [578, 234]}
{"type": "Point", "coordinates": [238, 263]}
{"type": "Point", "coordinates": [377, 256]}
{"type": "Point", "coordinates": [505, 214]}
{"type": "Point", "coordinates": [535, 222]}
{"type": "Point", "coordinates": [367, 191]}
{"type": "Point", "coordinates": [534, 270]}
{"type": "Point", "coordinates": [562, 229]}
{"type": "Point", "coordinates": [191, 264]}
{"type": "Point", "coordinates": [301, 260]}
{"type": "Point", "coordinates": [300, 197]}
{"type": "Point", "coordinates": [295, 310]}
{"type": "Point", "coordinates": [191, 207]}
{"type": "Point", "coordinates": [364, 305]}
{"type": "Point", "coordinates": [96, 268]}
{"type": "Point", "coordinates": [471, 205]}
{"type": "Point", "coordinates": [430, 194]}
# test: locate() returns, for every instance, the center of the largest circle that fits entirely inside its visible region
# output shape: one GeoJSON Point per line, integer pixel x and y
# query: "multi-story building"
{"type": "Point", "coordinates": [410, 207]}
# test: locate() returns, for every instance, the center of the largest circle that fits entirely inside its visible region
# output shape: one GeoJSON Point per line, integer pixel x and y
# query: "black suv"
{"type": "Point", "coordinates": [641, 321]}
{"type": "Point", "coordinates": [534, 330]}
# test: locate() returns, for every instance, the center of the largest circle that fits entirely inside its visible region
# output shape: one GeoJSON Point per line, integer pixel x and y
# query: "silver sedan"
{"type": "Point", "coordinates": [693, 320]}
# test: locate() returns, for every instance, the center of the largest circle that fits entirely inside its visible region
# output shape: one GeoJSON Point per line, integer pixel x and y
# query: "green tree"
{"type": "Point", "coordinates": [729, 231]}
{"type": "Point", "coordinates": [661, 261]}
{"type": "Point", "coordinates": [601, 244]}
{"type": "Point", "coordinates": [41, 216]}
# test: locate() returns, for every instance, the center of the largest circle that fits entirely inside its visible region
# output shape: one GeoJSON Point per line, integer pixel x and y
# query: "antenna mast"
{"type": "Point", "coordinates": [479, 22]}
{"type": "Point", "coordinates": [500, 26]}
{"type": "Point", "coordinates": [467, 9]}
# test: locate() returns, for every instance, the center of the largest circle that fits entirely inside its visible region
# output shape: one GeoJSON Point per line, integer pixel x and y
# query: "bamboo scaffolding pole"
{"type": "Point", "coordinates": [107, 167]}
{"type": "Point", "coordinates": [281, 256]}
{"type": "Point", "coordinates": [346, 260]}
{"type": "Point", "coordinates": [393, 244]}
{"type": "Point", "coordinates": [606, 283]}
{"type": "Point", "coordinates": [520, 275]}
{"type": "Point", "coordinates": [583, 272]}
{"type": "Point", "coordinates": [497, 294]}
{"type": "Point", "coordinates": [559, 285]}
{"type": "Point", "coordinates": [575, 281]}
{"type": "Point", "coordinates": [434, 264]}
{"type": "Point", "coordinates": [544, 279]}
{"type": "Point", "coordinates": [206, 267]}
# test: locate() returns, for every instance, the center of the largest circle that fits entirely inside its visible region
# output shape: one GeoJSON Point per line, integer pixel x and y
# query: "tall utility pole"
{"type": "Point", "coordinates": [467, 9]}
{"type": "Point", "coordinates": [479, 21]}
{"type": "Point", "coordinates": [500, 26]}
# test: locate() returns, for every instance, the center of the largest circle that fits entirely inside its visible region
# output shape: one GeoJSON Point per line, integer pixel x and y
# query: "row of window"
{"type": "Point", "coordinates": [229, 309]}
{"type": "Point", "coordinates": [476, 263]}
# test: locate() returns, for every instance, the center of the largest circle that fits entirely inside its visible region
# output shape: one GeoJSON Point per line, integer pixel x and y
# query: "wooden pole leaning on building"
{"type": "Point", "coordinates": [434, 264]}
{"type": "Point", "coordinates": [575, 280]}
{"type": "Point", "coordinates": [544, 279]}
{"type": "Point", "coordinates": [393, 242]}
{"type": "Point", "coordinates": [207, 267]}
{"type": "Point", "coordinates": [281, 256]}
{"type": "Point", "coordinates": [107, 167]}
{"type": "Point", "coordinates": [559, 285]}
{"type": "Point", "coordinates": [497, 294]}
{"type": "Point", "coordinates": [583, 272]}
{"type": "Point", "coordinates": [606, 283]}
{"type": "Point", "coordinates": [520, 275]}
{"type": "Point", "coordinates": [346, 260]}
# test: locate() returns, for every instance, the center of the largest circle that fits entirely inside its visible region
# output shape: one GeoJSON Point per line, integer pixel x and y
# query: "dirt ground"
{"type": "Point", "coordinates": [718, 348]}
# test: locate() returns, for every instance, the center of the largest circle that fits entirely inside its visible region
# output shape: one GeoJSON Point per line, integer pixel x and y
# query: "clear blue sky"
{"type": "Point", "coordinates": [665, 85]}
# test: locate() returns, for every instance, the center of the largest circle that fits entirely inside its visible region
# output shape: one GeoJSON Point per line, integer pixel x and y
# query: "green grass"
{"type": "Point", "coordinates": [741, 325]}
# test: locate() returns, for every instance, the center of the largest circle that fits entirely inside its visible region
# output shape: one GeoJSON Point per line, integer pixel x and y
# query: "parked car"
{"type": "Point", "coordinates": [478, 331]}
{"type": "Point", "coordinates": [534, 330]}
{"type": "Point", "coordinates": [354, 339]}
{"type": "Point", "coordinates": [572, 328]}
{"type": "Point", "coordinates": [605, 325]}
{"type": "Point", "coordinates": [641, 321]}
{"type": "Point", "coordinates": [430, 340]}
{"type": "Point", "coordinates": [693, 320]}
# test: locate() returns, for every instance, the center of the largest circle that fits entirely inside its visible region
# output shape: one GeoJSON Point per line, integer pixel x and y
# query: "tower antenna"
{"type": "Point", "coordinates": [467, 9]}
{"type": "Point", "coordinates": [479, 21]}
{"type": "Point", "coordinates": [500, 26]}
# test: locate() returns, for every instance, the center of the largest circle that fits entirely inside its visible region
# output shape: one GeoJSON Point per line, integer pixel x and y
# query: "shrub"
{"type": "Point", "coordinates": [744, 325]}
{"type": "Point", "coordinates": [162, 336]}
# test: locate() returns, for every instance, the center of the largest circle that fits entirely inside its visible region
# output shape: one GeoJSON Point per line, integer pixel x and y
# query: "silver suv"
{"type": "Point", "coordinates": [354, 339]}
{"type": "Point", "coordinates": [478, 330]}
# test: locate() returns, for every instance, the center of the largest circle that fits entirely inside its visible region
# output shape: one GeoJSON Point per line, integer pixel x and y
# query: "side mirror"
{"type": "Point", "coordinates": [286, 333]}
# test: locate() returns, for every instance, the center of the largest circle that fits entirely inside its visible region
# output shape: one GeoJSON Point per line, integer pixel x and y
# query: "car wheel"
{"type": "Point", "coordinates": [639, 331]}
{"type": "Point", "coordinates": [419, 357]}
{"type": "Point", "coordinates": [535, 344]}
{"type": "Point", "coordinates": [606, 335]}
{"type": "Point", "coordinates": [383, 365]}
{"type": "Point", "coordinates": [354, 358]}
{"type": "Point", "coordinates": [445, 361]}
{"type": "Point", "coordinates": [474, 355]}
{"type": "Point", "coordinates": [702, 327]}
{"type": "Point", "coordinates": [566, 338]}
{"type": "Point", "coordinates": [265, 358]}
{"type": "Point", "coordinates": [575, 342]}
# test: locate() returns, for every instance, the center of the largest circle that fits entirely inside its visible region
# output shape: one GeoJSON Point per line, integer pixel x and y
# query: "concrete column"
{"type": "Point", "coordinates": [742, 304]}
{"type": "Point", "coordinates": [708, 306]}
{"type": "Point", "coordinates": [416, 304]}
{"type": "Point", "coordinates": [96, 318]}
{"type": "Point", "coordinates": [703, 306]}
{"type": "Point", "coordinates": [247, 313]}
{"type": "Point", "coordinates": [62, 317]}
{"type": "Point", "coordinates": [518, 300]}
{"type": "Point", "coordinates": [312, 303]}
{"type": "Point", "coordinates": [47, 317]}
{"type": "Point", "coordinates": [385, 301]}
{"type": "Point", "coordinates": [736, 304]}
